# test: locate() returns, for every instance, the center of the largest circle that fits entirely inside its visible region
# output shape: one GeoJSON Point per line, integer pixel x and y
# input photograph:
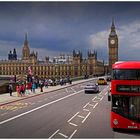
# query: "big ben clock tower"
{"type": "Point", "coordinates": [112, 46]}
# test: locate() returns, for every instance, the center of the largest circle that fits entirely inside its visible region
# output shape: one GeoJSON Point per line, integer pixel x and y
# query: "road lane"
{"type": "Point", "coordinates": [31, 103]}
{"type": "Point", "coordinates": [61, 114]}
{"type": "Point", "coordinates": [54, 115]}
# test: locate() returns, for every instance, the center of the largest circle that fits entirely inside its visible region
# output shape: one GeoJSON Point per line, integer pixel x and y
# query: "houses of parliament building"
{"type": "Point", "coordinates": [74, 67]}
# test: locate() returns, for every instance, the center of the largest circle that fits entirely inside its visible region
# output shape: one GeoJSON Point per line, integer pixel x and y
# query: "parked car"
{"type": "Point", "coordinates": [93, 88]}
{"type": "Point", "coordinates": [102, 81]}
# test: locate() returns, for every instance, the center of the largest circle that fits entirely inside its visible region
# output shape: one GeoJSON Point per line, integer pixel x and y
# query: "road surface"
{"type": "Point", "coordinates": [66, 113]}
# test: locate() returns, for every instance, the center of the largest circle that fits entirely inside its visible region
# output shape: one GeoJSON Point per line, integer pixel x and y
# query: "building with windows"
{"type": "Point", "coordinates": [72, 65]}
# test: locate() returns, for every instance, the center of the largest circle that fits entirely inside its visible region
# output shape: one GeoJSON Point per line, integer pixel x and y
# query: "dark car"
{"type": "Point", "coordinates": [108, 77]}
{"type": "Point", "coordinates": [92, 88]}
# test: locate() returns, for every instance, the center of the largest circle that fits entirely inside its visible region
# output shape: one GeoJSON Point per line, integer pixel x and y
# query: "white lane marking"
{"type": "Point", "coordinates": [73, 89]}
{"type": "Point", "coordinates": [67, 90]}
{"type": "Point", "coordinates": [90, 104]}
{"type": "Point", "coordinates": [100, 95]}
{"type": "Point", "coordinates": [81, 116]}
{"type": "Point", "coordinates": [94, 98]}
{"type": "Point", "coordinates": [86, 117]}
{"type": "Point", "coordinates": [106, 92]}
{"type": "Point", "coordinates": [101, 99]}
{"type": "Point", "coordinates": [10, 119]}
{"type": "Point", "coordinates": [63, 135]}
{"type": "Point", "coordinates": [95, 105]}
{"type": "Point", "coordinates": [95, 101]}
{"type": "Point", "coordinates": [73, 124]}
{"type": "Point", "coordinates": [72, 117]}
{"type": "Point", "coordinates": [73, 134]}
{"type": "Point", "coordinates": [85, 109]}
{"type": "Point", "coordinates": [86, 105]}
{"type": "Point", "coordinates": [54, 133]}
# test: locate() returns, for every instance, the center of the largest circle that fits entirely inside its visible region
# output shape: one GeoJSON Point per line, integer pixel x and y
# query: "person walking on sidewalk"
{"type": "Point", "coordinates": [10, 88]}
{"type": "Point", "coordinates": [22, 89]}
{"type": "Point", "coordinates": [41, 86]}
{"type": "Point", "coordinates": [33, 87]}
{"type": "Point", "coordinates": [18, 90]}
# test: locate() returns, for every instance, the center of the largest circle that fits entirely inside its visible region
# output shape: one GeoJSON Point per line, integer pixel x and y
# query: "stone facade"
{"type": "Point", "coordinates": [76, 67]}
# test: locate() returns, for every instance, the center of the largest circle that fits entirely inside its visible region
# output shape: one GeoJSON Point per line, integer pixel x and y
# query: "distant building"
{"type": "Point", "coordinates": [62, 58]}
{"type": "Point", "coordinates": [12, 55]}
{"type": "Point", "coordinates": [64, 65]}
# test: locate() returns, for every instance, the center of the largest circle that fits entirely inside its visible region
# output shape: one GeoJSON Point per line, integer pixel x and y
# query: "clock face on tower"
{"type": "Point", "coordinates": [112, 41]}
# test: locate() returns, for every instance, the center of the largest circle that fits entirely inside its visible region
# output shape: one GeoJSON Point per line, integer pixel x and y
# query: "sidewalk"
{"type": "Point", "coordinates": [6, 98]}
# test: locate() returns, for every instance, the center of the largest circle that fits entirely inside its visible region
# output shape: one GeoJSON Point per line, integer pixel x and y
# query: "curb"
{"type": "Point", "coordinates": [24, 98]}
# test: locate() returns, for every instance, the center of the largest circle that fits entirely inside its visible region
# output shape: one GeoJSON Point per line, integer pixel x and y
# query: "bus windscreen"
{"type": "Point", "coordinates": [128, 74]}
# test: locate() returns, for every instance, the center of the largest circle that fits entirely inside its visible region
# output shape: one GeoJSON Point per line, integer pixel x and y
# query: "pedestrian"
{"type": "Point", "coordinates": [29, 87]}
{"type": "Point", "coordinates": [10, 88]}
{"type": "Point", "coordinates": [22, 89]}
{"type": "Point", "coordinates": [33, 87]}
{"type": "Point", "coordinates": [18, 90]}
{"type": "Point", "coordinates": [41, 86]}
{"type": "Point", "coordinates": [46, 84]}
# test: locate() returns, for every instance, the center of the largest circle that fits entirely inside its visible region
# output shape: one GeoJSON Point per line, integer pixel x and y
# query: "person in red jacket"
{"type": "Point", "coordinates": [22, 89]}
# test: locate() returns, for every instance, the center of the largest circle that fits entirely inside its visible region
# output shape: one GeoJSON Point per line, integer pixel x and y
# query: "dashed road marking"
{"type": "Point", "coordinates": [85, 109]}
{"type": "Point", "coordinates": [73, 89]}
{"type": "Point", "coordinates": [86, 117]}
{"type": "Point", "coordinates": [101, 98]}
{"type": "Point", "coordinates": [94, 98]}
{"type": "Point", "coordinates": [73, 117]}
{"type": "Point", "coordinates": [95, 105]}
{"type": "Point", "coordinates": [73, 134]}
{"type": "Point", "coordinates": [96, 101]}
{"type": "Point", "coordinates": [86, 105]}
{"type": "Point", "coordinates": [90, 104]}
{"type": "Point", "coordinates": [81, 116]}
{"type": "Point", "coordinates": [63, 135]}
{"type": "Point", "coordinates": [106, 92]}
{"type": "Point", "coordinates": [54, 133]}
{"type": "Point", "coordinates": [67, 90]}
{"type": "Point", "coordinates": [73, 124]}
{"type": "Point", "coordinates": [100, 95]}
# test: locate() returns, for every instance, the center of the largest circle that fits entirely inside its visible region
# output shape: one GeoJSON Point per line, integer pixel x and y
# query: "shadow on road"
{"type": "Point", "coordinates": [125, 131]}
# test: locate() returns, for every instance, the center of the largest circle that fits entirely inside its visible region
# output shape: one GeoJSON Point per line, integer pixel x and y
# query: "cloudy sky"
{"type": "Point", "coordinates": [60, 27]}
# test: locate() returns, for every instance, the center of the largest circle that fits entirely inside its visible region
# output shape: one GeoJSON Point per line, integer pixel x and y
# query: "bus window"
{"type": "Point", "coordinates": [126, 106]}
{"type": "Point", "coordinates": [134, 107]}
{"type": "Point", "coordinates": [119, 74]}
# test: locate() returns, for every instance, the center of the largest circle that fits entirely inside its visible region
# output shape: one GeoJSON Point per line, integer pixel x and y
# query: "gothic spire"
{"type": "Point", "coordinates": [113, 30]}
{"type": "Point", "coordinates": [26, 40]}
{"type": "Point", "coordinates": [26, 49]}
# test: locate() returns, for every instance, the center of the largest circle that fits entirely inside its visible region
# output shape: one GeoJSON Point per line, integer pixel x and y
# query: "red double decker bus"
{"type": "Point", "coordinates": [125, 95]}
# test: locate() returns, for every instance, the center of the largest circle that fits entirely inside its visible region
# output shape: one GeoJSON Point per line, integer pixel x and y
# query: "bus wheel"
{"type": "Point", "coordinates": [114, 129]}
